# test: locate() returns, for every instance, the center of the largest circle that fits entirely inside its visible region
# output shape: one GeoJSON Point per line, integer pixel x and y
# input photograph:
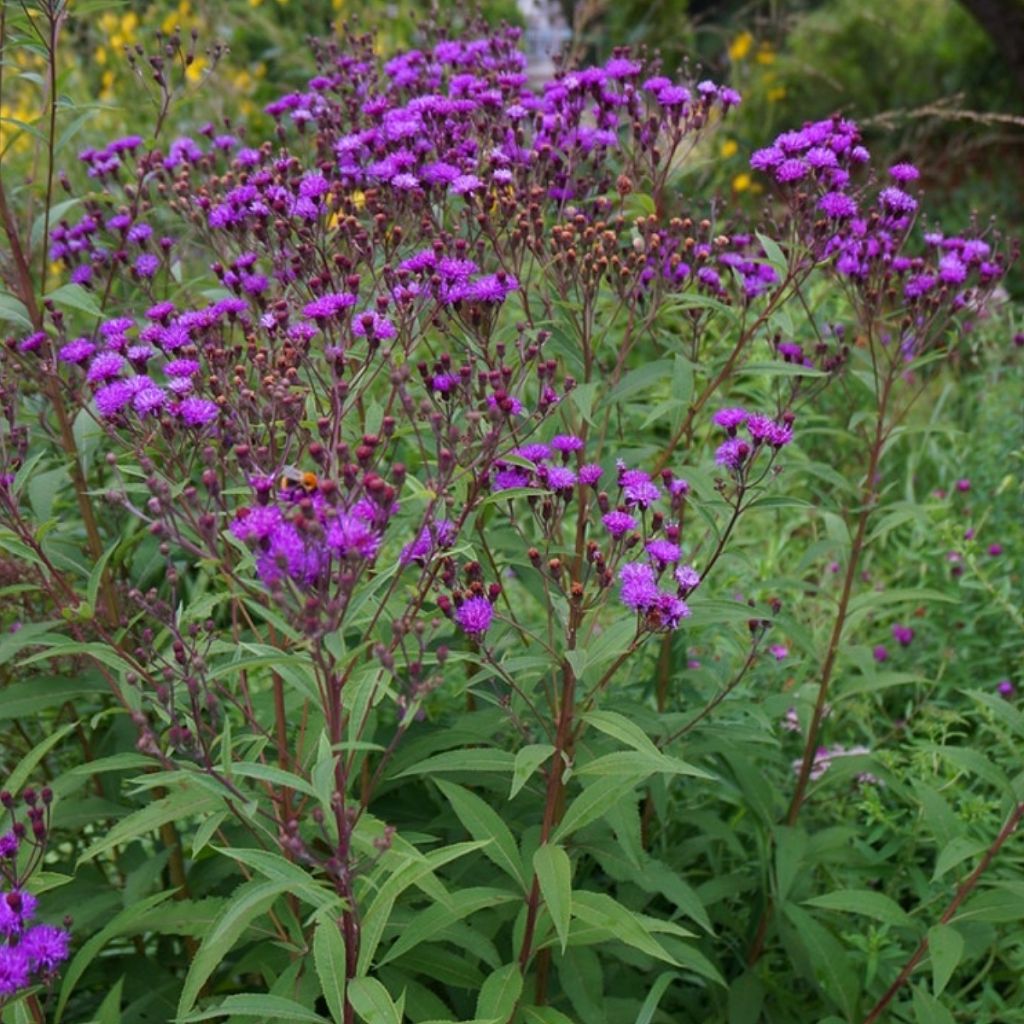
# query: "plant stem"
{"type": "Point", "coordinates": [869, 495]}
{"type": "Point", "coordinates": [965, 889]}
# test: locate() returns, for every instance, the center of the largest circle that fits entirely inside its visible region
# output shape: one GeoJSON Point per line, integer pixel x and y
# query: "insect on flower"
{"type": "Point", "coordinates": [292, 481]}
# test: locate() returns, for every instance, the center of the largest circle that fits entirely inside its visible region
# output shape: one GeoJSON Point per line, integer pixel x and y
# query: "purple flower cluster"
{"type": "Point", "coordinates": [824, 756]}
{"type": "Point", "coordinates": [866, 238]}
{"type": "Point", "coordinates": [300, 536]}
{"type": "Point", "coordinates": [28, 953]}
{"type": "Point", "coordinates": [545, 466]}
{"type": "Point", "coordinates": [736, 453]}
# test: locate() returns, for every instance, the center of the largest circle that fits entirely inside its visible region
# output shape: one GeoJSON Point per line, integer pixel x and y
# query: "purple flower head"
{"type": "Point", "coordinates": [618, 522]}
{"type": "Point", "coordinates": [351, 536]}
{"type": "Point", "coordinates": [105, 366]}
{"type": "Point", "coordinates": [14, 970]}
{"type": "Point", "coordinates": [76, 351]}
{"type": "Point", "coordinates": [112, 398]}
{"type": "Point", "coordinates": [464, 184]}
{"type": "Point", "coordinates": [730, 419]}
{"type": "Point", "coordinates": [566, 443]}
{"type": "Point", "coordinates": [507, 479]}
{"type": "Point", "coordinates": [791, 170]}
{"type": "Point", "coordinates": [779, 651]}
{"type": "Point", "coordinates": [903, 635]}
{"type": "Point", "coordinates": [196, 412]}
{"type": "Point", "coordinates": [1005, 688]}
{"type": "Point", "coordinates": [45, 946]}
{"type": "Point", "coordinates": [17, 908]}
{"type": "Point", "coordinates": [373, 325]}
{"type": "Point", "coordinates": [733, 453]}
{"type": "Point", "coordinates": [149, 399]}
{"type": "Point", "coordinates": [637, 488]}
{"type": "Point", "coordinates": [474, 616]}
{"type": "Point", "coordinates": [897, 201]}
{"type": "Point", "coordinates": [837, 206]}
{"type": "Point", "coordinates": [639, 590]}
{"type": "Point", "coordinates": [904, 173]}
{"type": "Point", "coordinates": [687, 577]}
{"type": "Point", "coordinates": [147, 265]}
{"type": "Point", "coordinates": [671, 610]}
{"type": "Point", "coordinates": [559, 478]}
{"type": "Point", "coordinates": [328, 306]}
{"type": "Point", "coordinates": [880, 653]}
{"type": "Point", "coordinates": [8, 846]}
{"type": "Point", "coordinates": [590, 474]}
{"type": "Point", "coordinates": [33, 342]}
{"type": "Point", "coordinates": [663, 552]}
{"type": "Point", "coordinates": [995, 550]}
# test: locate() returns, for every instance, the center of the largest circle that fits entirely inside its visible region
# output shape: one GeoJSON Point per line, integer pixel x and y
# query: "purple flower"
{"type": "Point", "coordinates": [618, 522]}
{"type": "Point", "coordinates": [963, 485]}
{"type": "Point", "coordinates": [464, 184]}
{"type": "Point", "coordinates": [779, 651]}
{"type": "Point", "coordinates": [17, 908]}
{"type": "Point", "coordinates": [105, 366]}
{"type": "Point", "coordinates": [113, 398]}
{"type": "Point", "coordinates": [904, 173]}
{"type": "Point", "coordinates": [147, 265]}
{"type": "Point", "coordinates": [196, 412]}
{"type": "Point", "coordinates": [182, 368]}
{"type": "Point", "coordinates": [880, 653]}
{"type": "Point", "coordinates": [730, 419]}
{"type": "Point", "coordinates": [639, 590]}
{"type": "Point", "coordinates": [903, 635]}
{"type": "Point", "coordinates": [637, 488]}
{"type": "Point", "coordinates": [995, 550]}
{"type": "Point", "coordinates": [663, 551]}
{"type": "Point", "coordinates": [76, 351]}
{"type": "Point", "coordinates": [14, 970]}
{"type": "Point", "coordinates": [559, 478]}
{"type": "Point", "coordinates": [837, 206]}
{"type": "Point", "coordinates": [791, 170]}
{"type": "Point", "coordinates": [373, 325]}
{"type": "Point", "coordinates": [45, 946]}
{"type": "Point", "coordinates": [474, 616]}
{"type": "Point", "coordinates": [687, 577]}
{"type": "Point", "coordinates": [352, 536]}
{"type": "Point", "coordinates": [8, 845]}
{"type": "Point", "coordinates": [329, 305]}
{"type": "Point", "coordinates": [733, 453]}
{"type": "Point", "coordinates": [671, 610]}
{"type": "Point", "coordinates": [566, 443]}
{"type": "Point", "coordinates": [1005, 688]}
{"type": "Point", "coordinates": [590, 474]}
{"type": "Point", "coordinates": [896, 200]}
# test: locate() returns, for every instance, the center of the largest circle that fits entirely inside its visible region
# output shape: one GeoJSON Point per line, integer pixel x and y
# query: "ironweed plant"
{"type": "Point", "coordinates": [372, 494]}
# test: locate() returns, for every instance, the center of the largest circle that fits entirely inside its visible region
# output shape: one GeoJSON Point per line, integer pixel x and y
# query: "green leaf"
{"type": "Point", "coordinates": [110, 1009]}
{"type": "Point", "coordinates": [483, 822]}
{"type": "Point", "coordinates": [790, 849]}
{"type": "Point", "coordinates": [774, 254]}
{"type": "Point", "coordinates": [248, 902]}
{"type": "Point", "coordinates": [827, 959]}
{"type": "Point", "coordinates": [527, 760]}
{"type": "Point", "coordinates": [429, 923]}
{"type": "Point", "coordinates": [623, 729]}
{"type": "Point", "coordinates": [180, 804]}
{"type": "Point", "coordinates": [946, 947]}
{"type": "Point", "coordinates": [13, 311]}
{"type": "Point", "coordinates": [928, 1010]}
{"type": "Point", "coordinates": [123, 923]}
{"type": "Point", "coordinates": [329, 961]}
{"type": "Point", "coordinates": [544, 1015]}
{"type": "Point", "coordinates": [480, 759]}
{"type": "Point", "coordinates": [863, 901]}
{"type": "Point", "coordinates": [595, 800]}
{"type": "Point", "coordinates": [500, 993]}
{"type": "Point", "coordinates": [958, 849]}
{"type": "Point", "coordinates": [27, 765]}
{"type": "Point", "coordinates": [746, 997]}
{"type": "Point", "coordinates": [631, 763]}
{"type": "Point", "coordinates": [27, 698]}
{"type": "Point", "coordinates": [257, 1005]}
{"type": "Point", "coordinates": [650, 1004]}
{"type": "Point", "coordinates": [74, 296]}
{"type": "Point", "coordinates": [277, 868]}
{"type": "Point", "coordinates": [371, 1001]}
{"type": "Point", "coordinates": [602, 911]}
{"type": "Point", "coordinates": [554, 874]}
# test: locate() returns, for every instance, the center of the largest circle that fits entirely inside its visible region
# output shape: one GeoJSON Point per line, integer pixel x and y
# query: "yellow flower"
{"type": "Point", "coordinates": [255, 3]}
{"type": "Point", "coordinates": [100, 56]}
{"type": "Point", "coordinates": [358, 199]}
{"type": "Point", "coordinates": [729, 148]}
{"type": "Point", "coordinates": [741, 182]}
{"type": "Point", "coordinates": [776, 94]}
{"type": "Point", "coordinates": [740, 46]}
{"type": "Point", "coordinates": [765, 54]}
{"type": "Point", "coordinates": [337, 4]}
{"type": "Point", "coordinates": [194, 72]}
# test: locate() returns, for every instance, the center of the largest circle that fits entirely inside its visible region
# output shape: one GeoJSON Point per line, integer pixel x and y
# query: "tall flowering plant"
{"type": "Point", "coordinates": [385, 551]}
